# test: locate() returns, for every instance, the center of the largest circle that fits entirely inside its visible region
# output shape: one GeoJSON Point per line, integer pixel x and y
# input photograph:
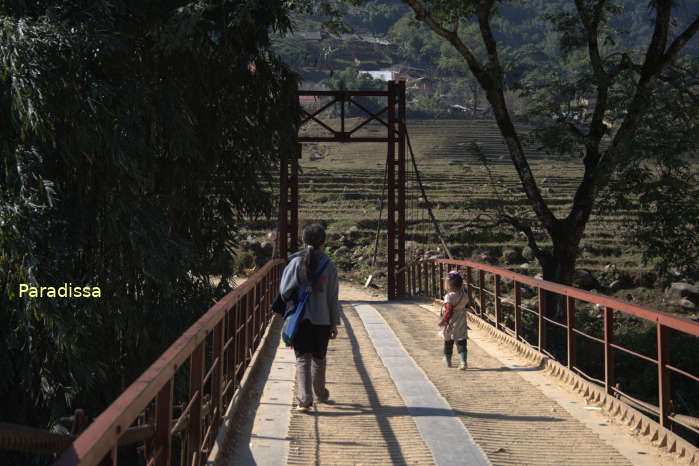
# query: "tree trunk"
{"type": "Point", "coordinates": [558, 266]}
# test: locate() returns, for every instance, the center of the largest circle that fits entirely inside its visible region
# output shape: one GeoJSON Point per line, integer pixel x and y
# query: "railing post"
{"type": "Point", "coordinates": [283, 222]}
{"type": "Point", "coordinates": [496, 292]}
{"type": "Point", "coordinates": [196, 373]}
{"type": "Point", "coordinates": [441, 280]}
{"type": "Point", "coordinates": [663, 374]}
{"type": "Point", "coordinates": [426, 275]}
{"type": "Point", "coordinates": [570, 321]}
{"type": "Point", "coordinates": [249, 310]}
{"type": "Point", "coordinates": [481, 284]}
{"type": "Point", "coordinates": [418, 277]}
{"type": "Point", "coordinates": [235, 344]}
{"type": "Point", "coordinates": [518, 311]}
{"type": "Point", "coordinates": [541, 294]}
{"type": "Point", "coordinates": [230, 352]}
{"type": "Point", "coordinates": [160, 446]}
{"type": "Point", "coordinates": [217, 379]}
{"type": "Point", "coordinates": [608, 350]}
{"type": "Point", "coordinates": [469, 284]}
{"type": "Point", "coordinates": [255, 313]}
{"type": "Point", "coordinates": [434, 279]}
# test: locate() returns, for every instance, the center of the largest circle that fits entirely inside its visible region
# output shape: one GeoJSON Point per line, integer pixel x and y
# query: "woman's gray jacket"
{"type": "Point", "coordinates": [322, 307]}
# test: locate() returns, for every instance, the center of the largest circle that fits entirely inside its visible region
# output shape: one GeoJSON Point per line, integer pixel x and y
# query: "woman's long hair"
{"type": "Point", "coordinates": [313, 239]}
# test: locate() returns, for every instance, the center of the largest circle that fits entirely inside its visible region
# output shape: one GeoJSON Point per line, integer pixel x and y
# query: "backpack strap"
{"type": "Point", "coordinates": [304, 286]}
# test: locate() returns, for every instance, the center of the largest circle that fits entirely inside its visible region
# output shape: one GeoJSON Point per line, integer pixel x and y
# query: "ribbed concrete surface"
{"type": "Point", "coordinates": [512, 421]}
{"type": "Point", "coordinates": [368, 422]}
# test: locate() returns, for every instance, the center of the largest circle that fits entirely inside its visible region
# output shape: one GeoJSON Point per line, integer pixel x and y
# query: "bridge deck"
{"type": "Point", "coordinates": [514, 413]}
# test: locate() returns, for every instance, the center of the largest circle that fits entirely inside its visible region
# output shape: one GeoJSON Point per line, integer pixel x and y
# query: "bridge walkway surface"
{"type": "Point", "coordinates": [394, 402]}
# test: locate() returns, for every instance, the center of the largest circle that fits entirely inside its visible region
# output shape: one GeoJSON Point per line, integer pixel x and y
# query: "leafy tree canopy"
{"type": "Point", "coordinates": [133, 137]}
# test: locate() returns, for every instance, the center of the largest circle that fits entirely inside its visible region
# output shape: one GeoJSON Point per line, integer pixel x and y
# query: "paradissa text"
{"type": "Point", "coordinates": [67, 290]}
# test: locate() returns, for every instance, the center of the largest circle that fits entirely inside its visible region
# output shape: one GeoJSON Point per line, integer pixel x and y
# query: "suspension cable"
{"type": "Point", "coordinates": [424, 195]}
{"type": "Point", "coordinates": [378, 223]}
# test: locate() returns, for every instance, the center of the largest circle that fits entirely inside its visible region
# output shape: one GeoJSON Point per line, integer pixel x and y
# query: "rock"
{"type": "Point", "coordinates": [615, 285]}
{"type": "Point", "coordinates": [528, 253]}
{"type": "Point", "coordinates": [585, 280]}
{"type": "Point", "coordinates": [353, 229]}
{"type": "Point", "coordinates": [341, 251]}
{"type": "Point", "coordinates": [609, 267]}
{"type": "Point", "coordinates": [511, 256]}
{"type": "Point", "coordinates": [272, 236]}
{"type": "Point", "coordinates": [524, 266]}
{"type": "Point", "coordinates": [687, 304]}
{"type": "Point", "coordinates": [679, 290]}
{"type": "Point", "coordinates": [539, 276]}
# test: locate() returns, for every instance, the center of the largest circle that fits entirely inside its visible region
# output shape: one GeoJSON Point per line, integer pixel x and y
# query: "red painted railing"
{"type": "Point", "coordinates": [427, 278]}
{"type": "Point", "coordinates": [212, 355]}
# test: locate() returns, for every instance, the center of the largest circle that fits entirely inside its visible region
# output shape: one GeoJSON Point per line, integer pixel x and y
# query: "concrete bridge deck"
{"type": "Point", "coordinates": [396, 403]}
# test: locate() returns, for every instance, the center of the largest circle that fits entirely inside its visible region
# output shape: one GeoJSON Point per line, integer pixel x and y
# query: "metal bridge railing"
{"type": "Point", "coordinates": [212, 355]}
{"type": "Point", "coordinates": [426, 278]}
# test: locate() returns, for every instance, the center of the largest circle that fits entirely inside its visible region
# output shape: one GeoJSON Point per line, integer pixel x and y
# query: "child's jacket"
{"type": "Point", "coordinates": [456, 328]}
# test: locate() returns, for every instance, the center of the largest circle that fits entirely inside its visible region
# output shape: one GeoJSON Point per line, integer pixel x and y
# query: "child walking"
{"type": "Point", "coordinates": [453, 319]}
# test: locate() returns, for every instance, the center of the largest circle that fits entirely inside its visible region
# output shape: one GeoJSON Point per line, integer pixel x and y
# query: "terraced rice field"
{"type": "Point", "coordinates": [341, 186]}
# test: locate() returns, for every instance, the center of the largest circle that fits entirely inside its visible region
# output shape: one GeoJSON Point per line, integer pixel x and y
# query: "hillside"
{"type": "Point", "coordinates": [341, 187]}
{"type": "Point", "coordinates": [384, 38]}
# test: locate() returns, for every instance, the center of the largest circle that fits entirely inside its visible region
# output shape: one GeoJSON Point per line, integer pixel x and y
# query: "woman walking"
{"type": "Point", "coordinates": [321, 315]}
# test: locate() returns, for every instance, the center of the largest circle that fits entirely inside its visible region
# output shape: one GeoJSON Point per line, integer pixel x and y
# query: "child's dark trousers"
{"type": "Point", "coordinates": [449, 346]}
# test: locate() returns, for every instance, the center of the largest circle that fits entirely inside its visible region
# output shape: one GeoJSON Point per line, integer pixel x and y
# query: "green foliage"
{"type": "Point", "coordinates": [351, 78]}
{"type": "Point", "coordinates": [415, 43]}
{"type": "Point", "coordinates": [659, 179]}
{"type": "Point", "coordinates": [132, 141]}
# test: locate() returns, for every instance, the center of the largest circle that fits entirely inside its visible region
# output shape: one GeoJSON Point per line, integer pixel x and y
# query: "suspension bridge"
{"type": "Point", "coordinates": [223, 392]}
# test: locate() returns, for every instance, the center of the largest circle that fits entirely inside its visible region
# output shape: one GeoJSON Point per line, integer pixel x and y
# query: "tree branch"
{"type": "Point", "coordinates": [483, 15]}
{"type": "Point", "coordinates": [680, 41]}
{"type": "Point", "coordinates": [494, 93]}
{"type": "Point", "coordinates": [423, 15]}
{"type": "Point", "coordinates": [655, 55]}
{"type": "Point", "coordinates": [524, 227]}
{"type": "Point", "coordinates": [591, 26]}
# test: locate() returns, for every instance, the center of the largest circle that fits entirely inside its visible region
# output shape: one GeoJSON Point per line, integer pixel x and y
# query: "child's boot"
{"type": "Point", "coordinates": [447, 360]}
{"type": "Point", "coordinates": [462, 362]}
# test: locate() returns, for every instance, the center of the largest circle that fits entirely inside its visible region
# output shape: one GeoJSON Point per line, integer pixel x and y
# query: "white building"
{"type": "Point", "coordinates": [380, 74]}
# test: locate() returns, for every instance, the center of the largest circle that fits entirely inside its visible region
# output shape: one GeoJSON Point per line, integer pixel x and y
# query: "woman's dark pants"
{"type": "Point", "coordinates": [310, 347]}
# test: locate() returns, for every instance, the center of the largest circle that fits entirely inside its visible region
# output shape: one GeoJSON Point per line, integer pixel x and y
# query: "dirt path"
{"type": "Point", "coordinates": [368, 422]}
